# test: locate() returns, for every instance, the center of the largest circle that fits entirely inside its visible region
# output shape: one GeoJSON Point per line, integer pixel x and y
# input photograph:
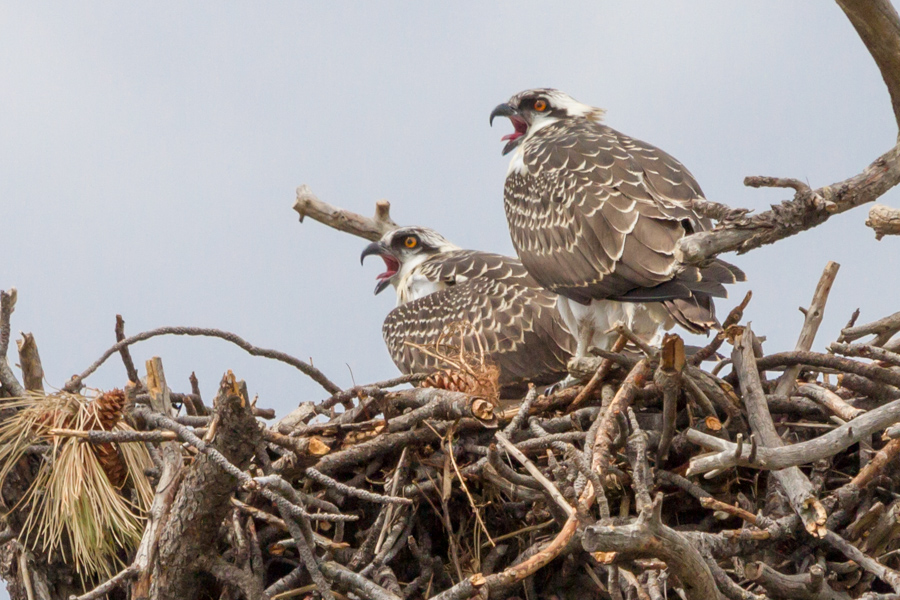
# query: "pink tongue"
{"type": "Point", "coordinates": [511, 136]}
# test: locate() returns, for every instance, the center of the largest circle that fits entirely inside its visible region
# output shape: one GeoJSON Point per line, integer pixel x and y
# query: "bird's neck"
{"type": "Point", "coordinates": [412, 284]}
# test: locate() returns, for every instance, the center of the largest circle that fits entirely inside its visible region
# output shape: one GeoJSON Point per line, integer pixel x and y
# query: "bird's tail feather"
{"type": "Point", "coordinates": [709, 280]}
{"type": "Point", "coordinates": [697, 314]}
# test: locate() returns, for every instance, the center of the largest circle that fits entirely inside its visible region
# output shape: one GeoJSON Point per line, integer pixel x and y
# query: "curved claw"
{"type": "Point", "coordinates": [559, 386]}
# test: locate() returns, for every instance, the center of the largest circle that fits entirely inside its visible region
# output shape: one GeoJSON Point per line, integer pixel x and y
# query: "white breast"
{"type": "Point", "coordinates": [517, 162]}
{"type": "Point", "coordinates": [415, 286]}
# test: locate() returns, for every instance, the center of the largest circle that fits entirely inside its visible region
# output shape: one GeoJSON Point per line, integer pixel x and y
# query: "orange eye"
{"type": "Point", "coordinates": [410, 242]}
{"type": "Point", "coordinates": [540, 105]}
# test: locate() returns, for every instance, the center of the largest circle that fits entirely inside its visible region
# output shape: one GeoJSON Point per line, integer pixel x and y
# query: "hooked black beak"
{"type": "Point", "coordinates": [373, 248]}
{"type": "Point", "coordinates": [390, 261]}
{"type": "Point", "coordinates": [503, 110]}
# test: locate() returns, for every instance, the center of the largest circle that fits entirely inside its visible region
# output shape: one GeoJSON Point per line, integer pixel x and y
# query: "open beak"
{"type": "Point", "coordinates": [503, 110]}
{"type": "Point", "coordinates": [512, 139]}
{"type": "Point", "coordinates": [390, 262]}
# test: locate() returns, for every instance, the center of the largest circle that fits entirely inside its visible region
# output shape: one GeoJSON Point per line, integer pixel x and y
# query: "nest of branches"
{"type": "Point", "coordinates": [726, 473]}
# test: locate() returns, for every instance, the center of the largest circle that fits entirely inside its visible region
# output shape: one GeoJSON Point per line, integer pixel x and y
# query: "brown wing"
{"type": "Point", "coordinates": [597, 214]}
{"type": "Point", "coordinates": [516, 321]}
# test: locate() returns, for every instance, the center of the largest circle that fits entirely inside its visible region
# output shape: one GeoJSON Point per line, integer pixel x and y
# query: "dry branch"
{"type": "Point", "coordinates": [9, 385]}
{"type": "Point", "coordinates": [648, 537]}
{"type": "Point", "coordinates": [76, 382]}
{"type": "Point", "coordinates": [792, 455]}
{"type": "Point", "coordinates": [308, 205]}
{"type": "Point", "coordinates": [878, 26]}
{"type": "Point", "coordinates": [884, 220]}
{"type": "Point", "coordinates": [204, 493]}
{"type": "Point", "coordinates": [30, 362]}
{"type": "Point", "coordinates": [171, 464]}
{"type": "Point", "coordinates": [811, 322]}
{"type": "Point", "coordinates": [795, 484]}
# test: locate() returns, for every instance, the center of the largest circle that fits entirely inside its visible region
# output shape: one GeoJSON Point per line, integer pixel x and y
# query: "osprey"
{"type": "Point", "coordinates": [505, 310]}
{"type": "Point", "coordinates": [595, 216]}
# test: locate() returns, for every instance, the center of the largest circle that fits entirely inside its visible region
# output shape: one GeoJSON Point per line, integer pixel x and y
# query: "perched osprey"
{"type": "Point", "coordinates": [439, 284]}
{"type": "Point", "coordinates": [595, 216]}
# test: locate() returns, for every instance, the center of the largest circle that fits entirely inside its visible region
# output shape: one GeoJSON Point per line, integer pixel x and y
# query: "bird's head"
{"type": "Point", "coordinates": [403, 250]}
{"type": "Point", "coordinates": [534, 109]}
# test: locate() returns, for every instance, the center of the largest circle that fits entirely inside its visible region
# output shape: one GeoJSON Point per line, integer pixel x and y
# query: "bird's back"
{"type": "Point", "coordinates": [596, 214]}
{"type": "Point", "coordinates": [502, 309]}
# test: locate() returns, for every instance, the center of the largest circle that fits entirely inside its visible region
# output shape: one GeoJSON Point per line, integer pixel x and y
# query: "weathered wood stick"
{"type": "Point", "coordinates": [829, 400]}
{"type": "Point", "coordinates": [308, 205]}
{"type": "Point", "coordinates": [648, 537]}
{"type": "Point", "coordinates": [794, 482]}
{"type": "Point", "coordinates": [884, 220]}
{"type": "Point", "coordinates": [883, 329]}
{"type": "Point", "coordinates": [878, 25]}
{"type": "Point", "coordinates": [811, 323]}
{"type": "Point", "coordinates": [165, 489]}
{"type": "Point", "coordinates": [802, 453]}
{"type": "Point", "coordinates": [536, 473]}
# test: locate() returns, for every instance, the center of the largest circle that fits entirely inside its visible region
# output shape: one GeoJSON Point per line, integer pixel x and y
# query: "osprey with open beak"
{"type": "Point", "coordinates": [596, 215]}
{"type": "Point", "coordinates": [505, 311]}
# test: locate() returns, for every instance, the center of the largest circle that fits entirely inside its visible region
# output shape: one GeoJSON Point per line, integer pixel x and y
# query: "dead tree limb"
{"type": "Point", "coordinates": [794, 483]}
{"type": "Point", "coordinates": [805, 211]}
{"type": "Point", "coordinates": [165, 489]}
{"type": "Point", "coordinates": [883, 329]}
{"type": "Point", "coordinates": [315, 374]}
{"type": "Point", "coordinates": [878, 26]}
{"type": "Point", "coordinates": [884, 220]}
{"type": "Point", "coordinates": [648, 537]}
{"type": "Point", "coordinates": [801, 453]}
{"type": "Point", "coordinates": [9, 385]}
{"type": "Point", "coordinates": [202, 498]}
{"type": "Point", "coordinates": [30, 362]}
{"type": "Point", "coordinates": [811, 322]}
{"type": "Point", "coordinates": [803, 586]}
{"type": "Point", "coordinates": [308, 205]}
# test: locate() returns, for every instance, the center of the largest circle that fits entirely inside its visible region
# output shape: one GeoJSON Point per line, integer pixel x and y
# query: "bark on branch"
{"type": "Point", "coordinates": [204, 497]}
{"type": "Point", "coordinates": [308, 205]}
{"type": "Point", "coordinates": [782, 457]}
{"type": "Point", "coordinates": [648, 537]}
{"type": "Point", "coordinates": [805, 211]}
{"type": "Point", "coordinates": [795, 484]}
{"type": "Point", "coordinates": [878, 26]}
{"type": "Point", "coordinates": [884, 220]}
{"type": "Point", "coordinates": [877, 23]}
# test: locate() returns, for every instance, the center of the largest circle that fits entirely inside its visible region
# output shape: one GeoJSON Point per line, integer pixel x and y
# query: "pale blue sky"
{"type": "Point", "coordinates": [150, 152]}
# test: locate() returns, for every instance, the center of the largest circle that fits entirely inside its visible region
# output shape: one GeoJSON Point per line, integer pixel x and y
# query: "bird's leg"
{"type": "Point", "coordinates": [584, 339]}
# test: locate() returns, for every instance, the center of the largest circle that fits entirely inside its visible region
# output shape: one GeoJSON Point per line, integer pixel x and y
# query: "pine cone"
{"type": "Point", "coordinates": [108, 410]}
{"type": "Point", "coordinates": [483, 384]}
{"type": "Point", "coordinates": [455, 381]}
{"type": "Point", "coordinates": [112, 463]}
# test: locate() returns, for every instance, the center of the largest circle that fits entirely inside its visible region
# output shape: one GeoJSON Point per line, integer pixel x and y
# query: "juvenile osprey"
{"type": "Point", "coordinates": [439, 284]}
{"type": "Point", "coordinates": [595, 216]}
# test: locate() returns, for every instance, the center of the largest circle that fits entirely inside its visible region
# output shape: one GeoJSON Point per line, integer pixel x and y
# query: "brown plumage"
{"type": "Point", "coordinates": [596, 215]}
{"type": "Point", "coordinates": [505, 314]}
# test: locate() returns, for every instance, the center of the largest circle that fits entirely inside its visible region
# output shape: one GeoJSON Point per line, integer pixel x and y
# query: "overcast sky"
{"type": "Point", "coordinates": [150, 153]}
